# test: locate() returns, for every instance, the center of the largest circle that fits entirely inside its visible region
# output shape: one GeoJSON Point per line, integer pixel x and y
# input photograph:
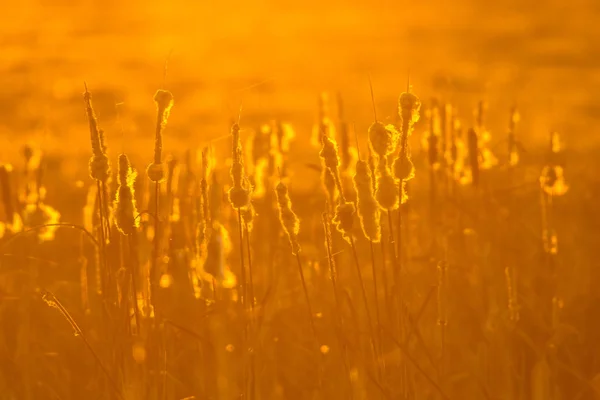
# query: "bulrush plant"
{"type": "Point", "coordinates": [156, 172]}
{"type": "Point", "coordinates": [344, 220]}
{"type": "Point", "coordinates": [239, 197]}
{"type": "Point", "coordinates": [408, 109]}
{"type": "Point", "coordinates": [486, 312]}
{"type": "Point", "coordinates": [291, 226]}
{"type": "Point", "coordinates": [383, 140]}
{"type": "Point", "coordinates": [370, 221]}
{"type": "Point", "coordinates": [127, 222]}
{"type": "Point", "coordinates": [99, 167]}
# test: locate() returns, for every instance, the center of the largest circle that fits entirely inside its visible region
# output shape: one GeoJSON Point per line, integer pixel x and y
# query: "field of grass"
{"type": "Point", "coordinates": [193, 277]}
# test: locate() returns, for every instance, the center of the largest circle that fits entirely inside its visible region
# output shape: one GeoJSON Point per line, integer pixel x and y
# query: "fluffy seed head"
{"type": "Point", "coordinates": [329, 153]}
{"type": "Point", "coordinates": [344, 218]}
{"type": "Point", "coordinates": [164, 103]}
{"type": "Point", "coordinates": [289, 221]}
{"type": "Point", "coordinates": [125, 207]}
{"type": "Point", "coordinates": [99, 167]}
{"type": "Point", "coordinates": [156, 172]}
{"type": "Point", "coordinates": [409, 106]}
{"type": "Point", "coordinates": [239, 197]}
{"type": "Point", "coordinates": [387, 187]}
{"type": "Point", "coordinates": [404, 169]}
{"type": "Point", "coordinates": [383, 139]}
{"type": "Point", "coordinates": [368, 211]}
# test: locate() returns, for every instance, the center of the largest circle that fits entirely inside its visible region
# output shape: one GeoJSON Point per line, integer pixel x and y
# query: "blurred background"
{"type": "Point", "coordinates": [275, 57]}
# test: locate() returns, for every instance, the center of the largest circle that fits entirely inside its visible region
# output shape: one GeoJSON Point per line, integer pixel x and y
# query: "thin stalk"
{"type": "Point", "coordinates": [133, 259]}
{"type": "Point", "coordinates": [385, 277]}
{"type": "Point", "coordinates": [52, 301]}
{"type": "Point", "coordinates": [251, 295]}
{"type": "Point", "coordinates": [242, 264]}
{"type": "Point", "coordinates": [398, 225]}
{"type": "Point", "coordinates": [393, 249]}
{"type": "Point", "coordinates": [243, 299]}
{"type": "Point", "coordinates": [102, 233]}
{"type": "Point", "coordinates": [156, 247]}
{"type": "Point", "coordinates": [309, 307]}
{"type": "Point", "coordinates": [250, 274]}
{"type": "Point", "coordinates": [338, 306]}
{"type": "Point", "coordinates": [365, 300]}
{"type": "Point", "coordinates": [375, 297]}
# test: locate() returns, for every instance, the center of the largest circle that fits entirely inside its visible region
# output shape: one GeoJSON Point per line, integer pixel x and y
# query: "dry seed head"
{"type": "Point", "coordinates": [409, 102]}
{"type": "Point", "coordinates": [329, 153]}
{"type": "Point", "coordinates": [99, 165]}
{"type": "Point", "coordinates": [237, 174]}
{"type": "Point", "coordinates": [125, 206]}
{"type": "Point", "coordinates": [239, 197]}
{"type": "Point", "coordinates": [383, 138]}
{"type": "Point", "coordinates": [368, 210]}
{"type": "Point", "coordinates": [93, 123]}
{"type": "Point", "coordinates": [156, 172]}
{"type": "Point", "coordinates": [408, 108]}
{"type": "Point", "coordinates": [344, 218]}
{"type": "Point", "coordinates": [289, 221]}
{"type": "Point", "coordinates": [387, 187]}
{"type": "Point", "coordinates": [404, 169]}
{"type": "Point", "coordinates": [164, 103]}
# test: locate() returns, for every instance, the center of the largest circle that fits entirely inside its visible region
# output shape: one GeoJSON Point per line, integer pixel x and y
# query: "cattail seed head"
{"type": "Point", "coordinates": [289, 221]}
{"type": "Point", "coordinates": [404, 169]}
{"type": "Point", "coordinates": [239, 197]}
{"type": "Point", "coordinates": [329, 153]}
{"type": "Point", "coordinates": [125, 207]}
{"type": "Point", "coordinates": [164, 103]}
{"type": "Point", "coordinates": [387, 187]}
{"type": "Point", "coordinates": [409, 105]}
{"type": "Point", "coordinates": [344, 218]}
{"type": "Point", "coordinates": [156, 172]}
{"type": "Point", "coordinates": [383, 138]}
{"type": "Point", "coordinates": [368, 210]}
{"type": "Point", "coordinates": [99, 165]}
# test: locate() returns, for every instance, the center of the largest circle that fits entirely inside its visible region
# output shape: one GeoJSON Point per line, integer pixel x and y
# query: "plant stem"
{"type": "Point", "coordinates": [242, 265]}
{"type": "Point", "coordinates": [156, 247]}
{"type": "Point", "coordinates": [305, 289]}
{"type": "Point", "coordinates": [133, 260]}
{"type": "Point", "coordinates": [375, 297]}
{"type": "Point", "coordinates": [340, 324]}
{"type": "Point", "coordinates": [365, 300]}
